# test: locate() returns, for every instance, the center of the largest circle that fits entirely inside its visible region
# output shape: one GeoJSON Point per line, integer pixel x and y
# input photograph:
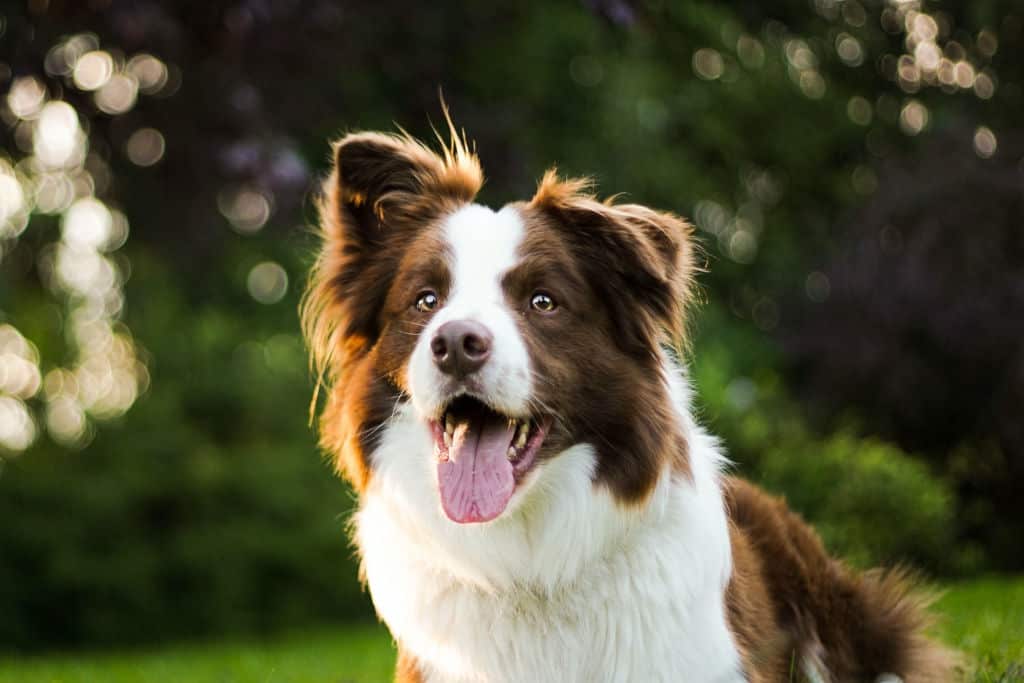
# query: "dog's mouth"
{"type": "Point", "coordinates": [482, 455]}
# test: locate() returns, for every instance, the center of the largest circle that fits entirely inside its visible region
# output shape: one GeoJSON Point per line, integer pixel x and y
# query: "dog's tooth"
{"type": "Point", "coordinates": [449, 424]}
{"type": "Point", "coordinates": [524, 431]}
{"type": "Point", "coordinates": [512, 453]}
{"type": "Point", "coordinates": [448, 439]}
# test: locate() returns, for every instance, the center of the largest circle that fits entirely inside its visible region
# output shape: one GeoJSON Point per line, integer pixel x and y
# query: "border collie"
{"type": "Point", "coordinates": [537, 503]}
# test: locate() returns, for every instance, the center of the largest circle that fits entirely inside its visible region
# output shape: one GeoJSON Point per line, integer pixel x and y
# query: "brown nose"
{"type": "Point", "coordinates": [461, 347]}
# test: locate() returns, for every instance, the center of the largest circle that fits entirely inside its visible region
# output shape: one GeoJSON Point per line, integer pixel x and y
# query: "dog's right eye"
{"type": "Point", "coordinates": [426, 301]}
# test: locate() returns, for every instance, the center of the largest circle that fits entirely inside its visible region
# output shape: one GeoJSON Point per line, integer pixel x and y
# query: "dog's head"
{"type": "Point", "coordinates": [510, 335]}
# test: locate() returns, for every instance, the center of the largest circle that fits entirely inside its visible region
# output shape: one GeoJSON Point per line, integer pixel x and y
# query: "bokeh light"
{"type": "Point", "coordinates": [708, 64]}
{"type": "Point", "coordinates": [849, 50]}
{"type": "Point", "coordinates": [17, 430]}
{"type": "Point", "coordinates": [13, 202]}
{"type": "Point", "coordinates": [118, 95]}
{"type": "Point", "coordinates": [267, 282]}
{"type": "Point", "coordinates": [59, 176]}
{"type": "Point", "coordinates": [58, 140]}
{"type": "Point", "coordinates": [26, 96]}
{"type": "Point", "coordinates": [66, 421]}
{"type": "Point", "coordinates": [93, 70]}
{"type": "Point", "coordinates": [246, 208]}
{"type": "Point", "coordinates": [87, 224]}
{"type": "Point", "coordinates": [913, 117]}
{"type": "Point", "coordinates": [145, 147]}
{"type": "Point", "coordinates": [150, 73]}
{"type": "Point", "coordinates": [984, 86]}
{"type": "Point", "coordinates": [985, 143]}
{"type": "Point", "coordinates": [19, 364]}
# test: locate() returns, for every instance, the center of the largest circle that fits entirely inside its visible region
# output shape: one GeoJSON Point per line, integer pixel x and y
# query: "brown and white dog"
{"type": "Point", "coordinates": [536, 501]}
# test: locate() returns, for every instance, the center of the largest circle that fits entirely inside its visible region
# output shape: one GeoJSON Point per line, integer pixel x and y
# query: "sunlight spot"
{"type": "Point", "coordinates": [987, 43]}
{"type": "Point", "coordinates": [913, 117]}
{"type": "Point", "coordinates": [984, 86]}
{"type": "Point", "coordinates": [145, 147]}
{"type": "Point", "coordinates": [246, 208]}
{"type": "Point", "coordinates": [268, 282]}
{"type": "Point", "coordinates": [13, 205]}
{"type": "Point", "coordinates": [149, 72]}
{"type": "Point", "coordinates": [985, 142]}
{"type": "Point", "coordinates": [58, 140]}
{"type": "Point", "coordinates": [26, 97]}
{"type": "Point", "coordinates": [17, 430]}
{"type": "Point", "coordinates": [87, 224]}
{"type": "Point", "coordinates": [849, 50]}
{"type": "Point", "coordinates": [65, 421]}
{"type": "Point", "coordinates": [812, 84]}
{"type": "Point", "coordinates": [708, 64]}
{"type": "Point", "coordinates": [799, 55]}
{"type": "Point", "coordinates": [118, 95]}
{"type": "Point", "coordinates": [963, 74]}
{"type": "Point", "coordinates": [93, 70]}
{"type": "Point", "coordinates": [742, 247]}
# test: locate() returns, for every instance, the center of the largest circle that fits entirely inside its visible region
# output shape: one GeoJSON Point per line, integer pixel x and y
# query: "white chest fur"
{"type": "Point", "coordinates": [565, 586]}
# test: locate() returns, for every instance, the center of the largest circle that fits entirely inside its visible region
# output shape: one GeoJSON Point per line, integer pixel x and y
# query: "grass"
{"type": "Point", "coordinates": [983, 618]}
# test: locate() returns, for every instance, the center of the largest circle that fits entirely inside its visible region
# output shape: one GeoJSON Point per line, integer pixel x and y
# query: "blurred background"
{"type": "Point", "coordinates": [855, 170]}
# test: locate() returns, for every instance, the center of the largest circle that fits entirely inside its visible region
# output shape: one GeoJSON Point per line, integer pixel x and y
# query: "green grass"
{"type": "Point", "coordinates": [356, 654]}
{"type": "Point", "coordinates": [983, 618]}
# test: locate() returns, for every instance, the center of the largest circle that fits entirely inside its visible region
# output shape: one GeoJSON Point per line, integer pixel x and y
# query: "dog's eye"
{"type": "Point", "coordinates": [426, 301]}
{"type": "Point", "coordinates": [542, 301]}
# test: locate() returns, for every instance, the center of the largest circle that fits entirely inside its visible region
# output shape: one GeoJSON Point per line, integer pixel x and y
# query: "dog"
{"type": "Point", "coordinates": [505, 391]}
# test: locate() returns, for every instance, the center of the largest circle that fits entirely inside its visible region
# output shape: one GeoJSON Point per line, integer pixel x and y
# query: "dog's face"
{"type": "Point", "coordinates": [510, 335]}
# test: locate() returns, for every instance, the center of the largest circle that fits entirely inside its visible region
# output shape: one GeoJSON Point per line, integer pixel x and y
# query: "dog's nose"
{"type": "Point", "coordinates": [461, 347]}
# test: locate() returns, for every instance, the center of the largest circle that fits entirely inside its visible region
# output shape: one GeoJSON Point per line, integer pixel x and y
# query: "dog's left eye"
{"type": "Point", "coordinates": [426, 301]}
{"type": "Point", "coordinates": [542, 301]}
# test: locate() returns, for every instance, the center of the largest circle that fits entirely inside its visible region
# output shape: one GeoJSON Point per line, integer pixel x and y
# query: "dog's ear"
{"type": "Point", "coordinates": [641, 260]}
{"type": "Point", "coordinates": [386, 181]}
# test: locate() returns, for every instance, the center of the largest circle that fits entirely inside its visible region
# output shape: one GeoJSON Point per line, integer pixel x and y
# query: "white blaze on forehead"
{"type": "Point", "coordinates": [483, 246]}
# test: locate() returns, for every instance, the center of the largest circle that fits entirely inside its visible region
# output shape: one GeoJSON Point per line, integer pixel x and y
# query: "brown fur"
{"type": "Point", "coordinates": [788, 599]}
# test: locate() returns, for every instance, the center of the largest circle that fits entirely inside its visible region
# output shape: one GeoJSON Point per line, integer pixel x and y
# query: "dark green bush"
{"type": "Point", "coordinates": [870, 502]}
{"type": "Point", "coordinates": [206, 510]}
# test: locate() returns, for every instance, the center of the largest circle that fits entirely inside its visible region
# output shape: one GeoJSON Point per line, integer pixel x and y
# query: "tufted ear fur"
{"type": "Point", "coordinates": [382, 181]}
{"type": "Point", "coordinates": [630, 249]}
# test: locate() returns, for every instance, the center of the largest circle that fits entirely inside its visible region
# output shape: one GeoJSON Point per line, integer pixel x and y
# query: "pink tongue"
{"type": "Point", "coordinates": [476, 480]}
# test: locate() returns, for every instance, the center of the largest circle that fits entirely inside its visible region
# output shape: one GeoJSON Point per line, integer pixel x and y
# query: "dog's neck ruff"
{"type": "Point", "coordinates": [567, 577]}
